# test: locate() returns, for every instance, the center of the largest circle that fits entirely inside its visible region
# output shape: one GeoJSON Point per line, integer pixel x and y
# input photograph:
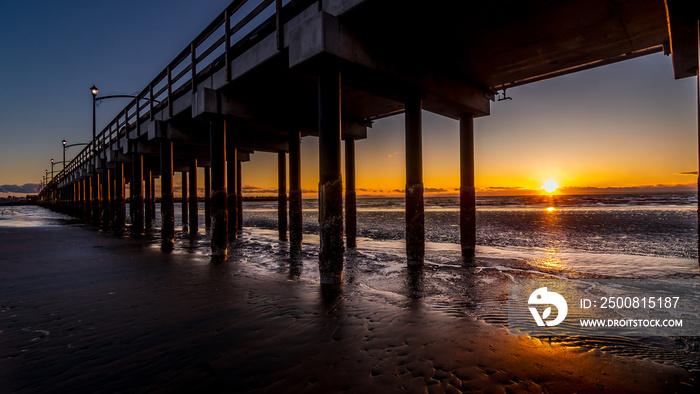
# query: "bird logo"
{"type": "Point", "coordinates": [543, 297]}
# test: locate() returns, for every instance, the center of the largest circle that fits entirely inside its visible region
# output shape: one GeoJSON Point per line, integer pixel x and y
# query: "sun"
{"type": "Point", "coordinates": [550, 186]}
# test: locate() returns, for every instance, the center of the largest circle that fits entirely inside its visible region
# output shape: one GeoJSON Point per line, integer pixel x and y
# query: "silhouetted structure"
{"type": "Point", "coordinates": [329, 68]}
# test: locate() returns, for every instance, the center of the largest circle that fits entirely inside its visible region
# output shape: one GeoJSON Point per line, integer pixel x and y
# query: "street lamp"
{"type": "Point", "coordinates": [68, 146]}
{"type": "Point", "coordinates": [94, 91]}
{"type": "Point", "coordinates": [52, 169]}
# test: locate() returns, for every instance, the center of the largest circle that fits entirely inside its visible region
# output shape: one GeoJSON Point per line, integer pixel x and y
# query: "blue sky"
{"type": "Point", "coordinates": [624, 125]}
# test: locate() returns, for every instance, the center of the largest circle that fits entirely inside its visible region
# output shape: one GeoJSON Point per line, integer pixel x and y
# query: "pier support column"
{"type": "Point", "coordinates": [330, 188]}
{"type": "Point", "coordinates": [194, 218]}
{"type": "Point", "coordinates": [185, 212]}
{"type": "Point", "coordinates": [136, 190]}
{"type": "Point", "coordinates": [219, 216]}
{"type": "Point", "coordinates": [239, 193]}
{"type": "Point", "coordinates": [167, 199]}
{"type": "Point", "coordinates": [96, 208]}
{"type": "Point", "coordinates": [119, 201]}
{"type": "Point", "coordinates": [153, 197]}
{"type": "Point", "coordinates": [467, 195]}
{"type": "Point", "coordinates": [282, 195]}
{"type": "Point", "coordinates": [350, 196]}
{"type": "Point", "coordinates": [148, 209]}
{"type": "Point", "coordinates": [295, 218]}
{"type": "Point", "coordinates": [88, 199]}
{"type": "Point", "coordinates": [231, 197]}
{"type": "Point", "coordinates": [207, 197]}
{"type": "Point", "coordinates": [415, 215]}
{"type": "Point", "coordinates": [106, 195]}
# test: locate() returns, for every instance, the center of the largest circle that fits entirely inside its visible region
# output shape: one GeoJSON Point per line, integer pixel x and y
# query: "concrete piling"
{"type": "Point", "coordinates": [148, 214]}
{"type": "Point", "coordinates": [153, 197]}
{"type": "Point", "coordinates": [467, 195]}
{"type": "Point", "coordinates": [219, 215]}
{"type": "Point", "coordinates": [167, 199]}
{"type": "Point", "coordinates": [282, 195]}
{"type": "Point", "coordinates": [119, 205]}
{"type": "Point", "coordinates": [185, 211]}
{"type": "Point", "coordinates": [330, 180]}
{"type": "Point", "coordinates": [106, 196]}
{"type": "Point", "coordinates": [295, 218]}
{"type": "Point", "coordinates": [194, 218]}
{"type": "Point", "coordinates": [136, 190]}
{"type": "Point", "coordinates": [350, 196]}
{"type": "Point", "coordinates": [415, 215]}
{"type": "Point", "coordinates": [207, 196]}
{"type": "Point", "coordinates": [239, 193]}
{"type": "Point", "coordinates": [231, 197]}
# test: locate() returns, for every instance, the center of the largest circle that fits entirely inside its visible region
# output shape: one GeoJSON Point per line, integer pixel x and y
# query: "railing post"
{"type": "Point", "coordinates": [170, 92]}
{"type": "Point", "coordinates": [227, 43]}
{"type": "Point", "coordinates": [278, 21]}
{"type": "Point", "coordinates": [193, 57]}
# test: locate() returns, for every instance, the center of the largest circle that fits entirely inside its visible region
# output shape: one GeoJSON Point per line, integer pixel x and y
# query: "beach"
{"type": "Point", "coordinates": [87, 311]}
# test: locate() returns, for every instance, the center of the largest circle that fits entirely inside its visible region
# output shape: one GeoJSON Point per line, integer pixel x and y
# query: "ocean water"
{"type": "Point", "coordinates": [576, 238]}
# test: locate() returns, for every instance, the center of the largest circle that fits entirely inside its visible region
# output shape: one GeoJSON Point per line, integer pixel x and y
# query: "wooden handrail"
{"type": "Point", "coordinates": [112, 133]}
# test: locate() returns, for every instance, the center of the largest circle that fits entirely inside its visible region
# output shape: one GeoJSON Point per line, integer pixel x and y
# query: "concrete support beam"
{"type": "Point", "coordinates": [350, 196]}
{"type": "Point", "coordinates": [153, 197]}
{"type": "Point", "coordinates": [207, 196]}
{"type": "Point", "coordinates": [330, 179]}
{"type": "Point", "coordinates": [295, 218]}
{"type": "Point", "coordinates": [219, 215]}
{"type": "Point", "coordinates": [185, 212]}
{"type": "Point", "coordinates": [106, 195]}
{"type": "Point", "coordinates": [231, 200]}
{"type": "Point", "coordinates": [167, 199]}
{"type": "Point", "coordinates": [467, 194]}
{"type": "Point", "coordinates": [147, 202]}
{"type": "Point", "coordinates": [239, 192]}
{"type": "Point", "coordinates": [136, 190]}
{"type": "Point", "coordinates": [194, 219]}
{"type": "Point", "coordinates": [119, 205]}
{"type": "Point", "coordinates": [282, 195]}
{"type": "Point", "coordinates": [415, 215]}
{"type": "Point", "coordinates": [89, 198]}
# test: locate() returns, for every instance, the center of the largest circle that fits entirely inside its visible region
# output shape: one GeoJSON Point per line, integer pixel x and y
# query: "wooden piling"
{"type": "Point", "coordinates": [295, 218]}
{"type": "Point", "coordinates": [330, 179]}
{"type": "Point", "coordinates": [467, 195]}
{"type": "Point", "coordinates": [167, 199]}
{"type": "Point", "coordinates": [219, 215]}
{"type": "Point", "coordinates": [415, 215]}
{"type": "Point", "coordinates": [194, 218]}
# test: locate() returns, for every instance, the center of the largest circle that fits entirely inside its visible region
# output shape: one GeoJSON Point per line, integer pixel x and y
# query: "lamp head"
{"type": "Point", "coordinates": [94, 90]}
{"type": "Point", "coordinates": [64, 142]}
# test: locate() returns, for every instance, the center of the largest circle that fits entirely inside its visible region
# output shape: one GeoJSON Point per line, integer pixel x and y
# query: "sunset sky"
{"type": "Point", "coordinates": [628, 125]}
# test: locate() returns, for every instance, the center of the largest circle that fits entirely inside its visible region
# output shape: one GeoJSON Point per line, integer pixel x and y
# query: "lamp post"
{"type": "Point", "coordinates": [94, 91]}
{"type": "Point", "coordinates": [68, 146]}
{"type": "Point", "coordinates": [52, 163]}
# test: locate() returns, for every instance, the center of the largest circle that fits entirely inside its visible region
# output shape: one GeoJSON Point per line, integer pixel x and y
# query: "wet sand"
{"type": "Point", "coordinates": [83, 311]}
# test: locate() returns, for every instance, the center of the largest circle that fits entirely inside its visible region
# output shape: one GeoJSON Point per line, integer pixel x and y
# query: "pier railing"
{"type": "Point", "coordinates": [242, 24]}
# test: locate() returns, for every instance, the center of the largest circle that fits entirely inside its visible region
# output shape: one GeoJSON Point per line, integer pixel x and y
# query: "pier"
{"type": "Point", "coordinates": [263, 75]}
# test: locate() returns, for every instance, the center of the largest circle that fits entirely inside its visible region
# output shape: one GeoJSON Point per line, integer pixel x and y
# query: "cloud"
{"type": "Point", "coordinates": [434, 190]}
{"type": "Point", "coordinates": [27, 188]}
{"type": "Point", "coordinates": [258, 190]}
{"type": "Point", "coordinates": [251, 187]}
{"type": "Point", "coordinates": [687, 173]}
{"type": "Point", "coordinates": [392, 154]}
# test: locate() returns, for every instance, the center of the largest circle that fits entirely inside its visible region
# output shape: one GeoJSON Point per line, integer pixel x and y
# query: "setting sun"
{"type": "Point", "coordinates": [550, 186]}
